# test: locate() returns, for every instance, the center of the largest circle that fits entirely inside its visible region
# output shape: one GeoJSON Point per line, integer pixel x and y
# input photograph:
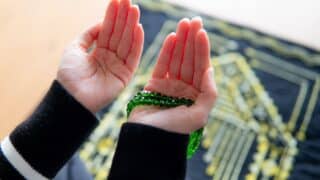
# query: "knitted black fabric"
{"type": "Point", "coordinates": [146, 152]}
{"type": "Point", "coordinates": [58, 127]}
{"type": "Point", "coordinates": [53, 133]}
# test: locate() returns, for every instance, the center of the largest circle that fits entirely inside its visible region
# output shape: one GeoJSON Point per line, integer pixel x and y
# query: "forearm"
{"type": "Point", "coordinates": [145, 152]}
{"type": "Point", "coordinates": [42, 144]}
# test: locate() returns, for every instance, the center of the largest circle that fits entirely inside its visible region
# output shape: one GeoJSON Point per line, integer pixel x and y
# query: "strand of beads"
{"type": "Point", "coordinates": [157, 99]}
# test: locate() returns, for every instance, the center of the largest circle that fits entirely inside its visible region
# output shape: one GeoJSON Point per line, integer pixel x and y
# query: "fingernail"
{"type": "Point", "coordinates": [136, 6]}
{"type": "Point", "coordinates": [172, 33]}
{"type": "Point", "coordinates": [185, 19]}
{"type": "Point", "coordinates": [198, 18]}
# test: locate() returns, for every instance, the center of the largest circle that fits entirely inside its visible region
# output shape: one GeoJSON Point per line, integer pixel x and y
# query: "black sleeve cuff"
{"type": "Point", "coordinates": [145, 152]}
{"type": "Point", "coordinates": [52, 134]}
{"type": "Point", "coordinates": [7, 171]}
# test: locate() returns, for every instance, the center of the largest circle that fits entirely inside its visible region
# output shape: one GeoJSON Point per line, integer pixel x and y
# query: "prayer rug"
{"type": "Point", "coordinates": [266, 121]}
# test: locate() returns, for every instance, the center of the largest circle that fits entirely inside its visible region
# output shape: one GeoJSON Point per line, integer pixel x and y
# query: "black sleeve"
{"type": "Point", "coordinates": [42, 144]}
{"type": "Point", "coordinates": [145, 152]}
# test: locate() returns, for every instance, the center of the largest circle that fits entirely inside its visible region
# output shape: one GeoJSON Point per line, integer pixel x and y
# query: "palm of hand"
{"type": "Point", "coordinates": [182, 70]}
{"type": "Point", "coordinates": [173, 74]}
{"type": "Point", "coordinates": [91, 78]}
{"type": "Point", "coordinates": [96, 78]}
{"type": "Point", "coordinates": [172, 87]}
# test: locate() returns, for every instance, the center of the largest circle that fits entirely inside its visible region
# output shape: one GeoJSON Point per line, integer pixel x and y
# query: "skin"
{"type": "Point", "coordinates": [96, 78]}
{"type": "Point", "coordinates": [182, 70]}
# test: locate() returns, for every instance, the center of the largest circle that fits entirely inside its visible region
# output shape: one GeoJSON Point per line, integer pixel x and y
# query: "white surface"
{"type": "Point", "coordinates": [295, 20]}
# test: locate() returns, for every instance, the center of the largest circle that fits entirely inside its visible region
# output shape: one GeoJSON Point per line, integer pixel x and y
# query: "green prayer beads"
{"type": "Point", "coordinates": [157, 99]}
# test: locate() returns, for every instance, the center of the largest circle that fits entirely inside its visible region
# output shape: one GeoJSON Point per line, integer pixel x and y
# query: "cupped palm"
{"type": "Point", "coordinates": [96, 75]}
{"type": "Point", "coordinates": [182, 70]}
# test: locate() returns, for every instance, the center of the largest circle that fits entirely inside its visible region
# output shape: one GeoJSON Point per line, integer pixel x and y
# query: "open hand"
{"type": "Point", "coordinates": [96, 78]}
{"type": "Point", "coordinates": [183, 70]}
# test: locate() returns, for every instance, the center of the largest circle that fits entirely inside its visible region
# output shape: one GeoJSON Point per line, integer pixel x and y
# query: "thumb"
{"type": "Point", "coordinates": [208, 91]}
{"type": "Point", "coordinates": [204, 102]}
{"type": "Point", "coordinates": [86, 39]}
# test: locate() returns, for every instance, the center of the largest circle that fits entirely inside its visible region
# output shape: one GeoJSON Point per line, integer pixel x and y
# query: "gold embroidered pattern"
{"type": "Point", "coordinates": [245, 123]}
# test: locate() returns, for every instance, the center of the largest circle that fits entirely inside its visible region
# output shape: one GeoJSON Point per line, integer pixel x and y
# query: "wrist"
{"type": "Point", "coordinates": [139, 114]}
{"type": "Point", "coordinates": [153, 115]}
{"type": "Point", "coordinates": [87, 103]}
{"type": "Point", "coordinates": [74, 91]}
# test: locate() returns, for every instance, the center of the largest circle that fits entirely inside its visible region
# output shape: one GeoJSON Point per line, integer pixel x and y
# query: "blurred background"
{"type": "Point", "coordinates": [33, 34]}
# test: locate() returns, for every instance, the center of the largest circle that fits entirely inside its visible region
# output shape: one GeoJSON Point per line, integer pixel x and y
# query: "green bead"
{"type": "Point", "coordinates": [194, 142]}
{"type": "Point", "coordinates": [157, 99]}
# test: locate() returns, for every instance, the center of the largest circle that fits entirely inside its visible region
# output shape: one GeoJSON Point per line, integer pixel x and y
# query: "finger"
{"type": "Point", "coordinates": [127, 35]}
{"type": "Point", "coordinates": [162, 66]}
{"type": "Point", "coordinates": [119, 24]}
{"type": "Point", "coordinates": [175, 63]}
{"type": "Point", "coordinates": [86, 39]}
{"type": "Point", "coordinates": [108, 23]}
{"type": "Point", "coordinates": [135, 53]}
{"type": "Point", "coordinates": [202, 57]}
{"type": "Point", "coordinates": [187, 66]}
